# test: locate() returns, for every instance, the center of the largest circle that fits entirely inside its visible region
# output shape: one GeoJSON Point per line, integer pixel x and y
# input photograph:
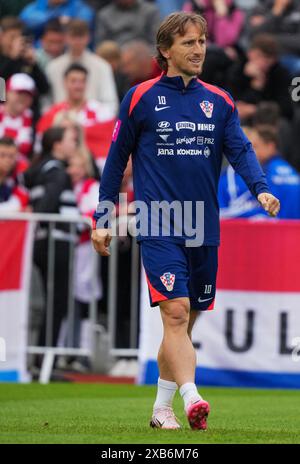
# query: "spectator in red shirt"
{"type": "Point", "coordinates": [86, 287]}
{"type": "Point", "coordinates": [91, 115]}
{"type": "Point", "coordinates": [86, 189]}
{"type": "Point", "coordinates": [88, 111]}
{"type": "Point", "coordinates": [16, 118]}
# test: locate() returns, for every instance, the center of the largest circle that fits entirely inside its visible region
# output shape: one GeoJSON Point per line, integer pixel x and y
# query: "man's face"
{"type": "Point", "coordinates": [75, 84]}
{"type": "Point", "coordinates": [130, 66]}
{"type": "Point", "coordinates": [186, 55]}
{"type": "Point", "coordinates": [264, 150]}
{"type": "Point", "coordinates": [8, 157]}
{"type": "Point", "coordinates": [77, 44]}
{"type": "Point", "coordinates": [53, 43]}
{"type": "Point", "coordinates": [18, 102]}
{"type": "Point", "coordinates": [8, 37]}
{"type": "Point", "coordinates": [259, 59]}
{"type": "Point", "coordinates": [76, 169]}
{"type": "Point", "coordinates": [68, 144]}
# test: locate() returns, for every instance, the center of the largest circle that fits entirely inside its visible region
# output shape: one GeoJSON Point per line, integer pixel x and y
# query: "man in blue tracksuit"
{"type": "Point", "coordinates": [177, 128]}
{"type": "Point", "coordinates": [235, 199]}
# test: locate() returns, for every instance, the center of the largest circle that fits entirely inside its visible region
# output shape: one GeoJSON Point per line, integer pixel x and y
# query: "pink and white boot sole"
{"type": "Point", "coordinates": [197, 412]}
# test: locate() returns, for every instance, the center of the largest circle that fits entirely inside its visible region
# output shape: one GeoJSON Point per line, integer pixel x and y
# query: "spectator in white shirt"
{"type": "Point", "coordinates": [100, 85]}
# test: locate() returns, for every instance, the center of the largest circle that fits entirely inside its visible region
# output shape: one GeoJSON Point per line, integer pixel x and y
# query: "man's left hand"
{"type": "Point", "coordinates": [269, 203]}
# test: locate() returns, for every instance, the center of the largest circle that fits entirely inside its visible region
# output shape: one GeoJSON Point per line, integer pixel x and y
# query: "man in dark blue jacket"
{"type": "Point", "coordinates": [177, 128]}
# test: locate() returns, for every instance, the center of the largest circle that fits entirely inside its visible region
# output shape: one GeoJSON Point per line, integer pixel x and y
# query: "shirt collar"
{"type": "Point", "coordinates": [178, 82]}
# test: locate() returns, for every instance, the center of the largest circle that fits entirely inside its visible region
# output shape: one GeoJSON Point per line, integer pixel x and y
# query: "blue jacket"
{"type": "Point", "coordinates": [177, 136]}
{"type": "Point", "coordinates": [37, 14]}
{"type": "Point", "coordinates": [237, 201]}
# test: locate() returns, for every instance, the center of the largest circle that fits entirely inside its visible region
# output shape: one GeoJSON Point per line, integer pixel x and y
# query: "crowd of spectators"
{"type": "Point", "coordinates": [68, 64]}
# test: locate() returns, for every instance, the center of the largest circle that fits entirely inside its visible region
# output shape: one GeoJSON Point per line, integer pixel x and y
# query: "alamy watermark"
{"type": "Point", "coordinates": [296, 349]}
{"type": "Point", "coordinates": [2, 349]}
{"type": "Point", "coordinates": [2, 90]}
{"type": "Point", "coordinates": [295, 91]}
{"type": "Point", "coordinates": [157, 219]}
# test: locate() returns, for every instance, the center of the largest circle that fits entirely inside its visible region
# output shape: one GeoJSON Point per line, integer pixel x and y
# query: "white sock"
{"type": "Point", "coordinates": [189, 392]}
{"type": "Point", "coordinates": [165, 393]}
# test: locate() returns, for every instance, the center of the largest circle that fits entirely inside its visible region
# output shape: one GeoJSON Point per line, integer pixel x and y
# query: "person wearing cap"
{"type": "Point", "coordinates": [100, 80]}
{"type": "Point", "coordinates": [16, 118]}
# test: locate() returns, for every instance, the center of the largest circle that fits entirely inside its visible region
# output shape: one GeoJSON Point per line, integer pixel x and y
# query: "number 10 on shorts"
{"type": "Point", "coordinates": [207, 289]}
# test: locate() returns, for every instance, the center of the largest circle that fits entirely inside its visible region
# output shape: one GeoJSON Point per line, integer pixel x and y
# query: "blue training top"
{"type": "Point", "coordinates": [177, 136]}
{"type": "Point", "coordinates": [236, 201]}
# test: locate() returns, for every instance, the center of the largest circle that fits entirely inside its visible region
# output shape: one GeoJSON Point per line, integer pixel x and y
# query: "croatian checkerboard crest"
{"type": "Point", "coordinates": [168, 280]}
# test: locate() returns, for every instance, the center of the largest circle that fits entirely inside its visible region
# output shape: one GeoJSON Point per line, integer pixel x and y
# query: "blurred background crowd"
{"type": "Point", "coordinates": [68, 64]}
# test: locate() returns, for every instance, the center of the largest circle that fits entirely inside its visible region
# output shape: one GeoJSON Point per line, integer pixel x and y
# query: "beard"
{"type": "Point", "coordinates": [190, 72]}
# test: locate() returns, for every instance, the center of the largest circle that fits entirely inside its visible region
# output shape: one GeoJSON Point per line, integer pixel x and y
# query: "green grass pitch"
{"type": "Point", "coordinates": [119, 414]}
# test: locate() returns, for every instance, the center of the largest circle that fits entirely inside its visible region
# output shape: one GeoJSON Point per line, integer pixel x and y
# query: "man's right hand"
{"type": "Point", "coordinates": [101, 239]}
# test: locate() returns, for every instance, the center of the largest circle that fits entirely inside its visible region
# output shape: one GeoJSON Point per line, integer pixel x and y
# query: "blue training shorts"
{"type": "Point", "coordinates": [174, 270]}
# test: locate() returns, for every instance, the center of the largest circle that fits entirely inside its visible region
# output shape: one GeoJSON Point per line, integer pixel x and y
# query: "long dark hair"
{"type": "Point", "coordinates": [50, 137]}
